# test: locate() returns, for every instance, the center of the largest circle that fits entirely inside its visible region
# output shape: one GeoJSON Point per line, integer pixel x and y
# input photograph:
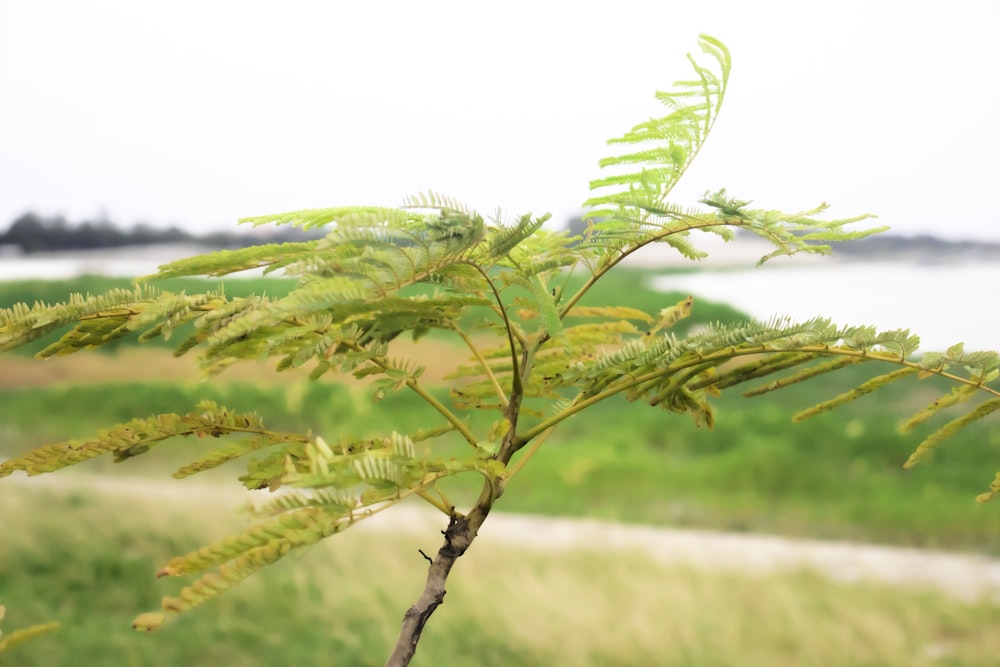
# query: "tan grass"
{"type": "Point", "coordinates": [143, 364]}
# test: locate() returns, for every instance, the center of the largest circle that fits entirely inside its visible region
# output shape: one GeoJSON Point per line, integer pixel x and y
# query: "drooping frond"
{"type": "Point", "coordinates": [790, 233]}
{"type": "Point", "coordinates": [138, 436]}
{"type": "Point", "coordinates": [101, 318]}
{"type": "Point", "coordinates": [642, 357]}
{"type": "Point", "coordinates": [856, 393]}
{"type": "Point", "coordinates": [238, 557]}
{"type": "Point", "coordinates": [270, 257]}
{"type": "Point", "coordinates": [934, 439]}
{"type": "Point", "coordinates": [958, 394]}
{"type": "Point", "coordinates": [333, 487]}
{"type": "Point", "coordinates": [682, 375]}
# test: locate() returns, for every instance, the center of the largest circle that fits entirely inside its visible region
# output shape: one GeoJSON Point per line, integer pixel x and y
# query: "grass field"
{"type": "Point", "coordinates": [88, 564]}
{"type": "Point", "coordinates": [839, 476]}
{"type": "Point", "coordinates": [85, 558]}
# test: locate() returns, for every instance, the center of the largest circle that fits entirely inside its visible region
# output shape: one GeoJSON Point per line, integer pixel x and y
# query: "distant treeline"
{"type": "Point", "coordinates": [922, 246]}
{"type": "Point", "coordinates": [35, 233]}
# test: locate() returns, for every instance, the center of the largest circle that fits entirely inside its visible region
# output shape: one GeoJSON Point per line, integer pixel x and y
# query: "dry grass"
{"type": "Point", "coordinates": [140, 364]}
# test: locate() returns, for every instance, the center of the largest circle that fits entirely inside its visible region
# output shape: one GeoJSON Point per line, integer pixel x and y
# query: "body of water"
{"type": "Point", "coordinates": [944, 304]}
{"type": "Point", "coordinates": [127, 262]}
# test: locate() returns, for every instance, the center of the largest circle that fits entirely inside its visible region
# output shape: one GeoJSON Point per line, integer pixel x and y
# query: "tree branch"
{"type": "Point", "coordinates": [458, 537]}
{"type": "Point", "coordinates": [484, 365]}
{"type": "Point", "coordinates": [462, 530]}
{"type": "Point", "coordinates": [582, 402]}
{"type": "Point", "coordinates": [516, 375]}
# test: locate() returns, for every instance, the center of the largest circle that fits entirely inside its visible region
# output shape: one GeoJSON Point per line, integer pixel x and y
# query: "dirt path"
{"type": "Point", "coordinates": [965, 576]}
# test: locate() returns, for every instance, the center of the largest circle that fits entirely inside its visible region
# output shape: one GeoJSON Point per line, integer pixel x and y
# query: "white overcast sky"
{"type": "Point", "coordinates": [199, 112]}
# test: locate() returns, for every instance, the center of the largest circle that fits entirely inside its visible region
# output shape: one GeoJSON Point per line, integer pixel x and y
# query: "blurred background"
{"type": "Point", "coordinates": [133, 134]}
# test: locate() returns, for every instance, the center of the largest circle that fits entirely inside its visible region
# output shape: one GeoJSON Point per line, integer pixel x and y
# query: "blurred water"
{"type": "Point", "coordinates": [127, 262]}
{"type": "Point", "coordinates": [944, 304]}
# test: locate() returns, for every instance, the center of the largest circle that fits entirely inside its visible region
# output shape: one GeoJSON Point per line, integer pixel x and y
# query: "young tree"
{"type": "Point", "coordinates": [536, 356]}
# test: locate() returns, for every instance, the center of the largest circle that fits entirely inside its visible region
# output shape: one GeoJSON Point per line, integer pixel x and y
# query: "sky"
{"type": "Point", "coordinates": [199, 113]}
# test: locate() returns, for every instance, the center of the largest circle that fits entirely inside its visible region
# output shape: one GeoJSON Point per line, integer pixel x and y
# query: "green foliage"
{"type": "Point", "coordinates": [501, 288]}
{"type": "Point", "coordinates": [664, 147]}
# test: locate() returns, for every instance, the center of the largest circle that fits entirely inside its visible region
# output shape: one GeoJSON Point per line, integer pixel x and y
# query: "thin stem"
{"type": "Point", "coordinates": [485, 366]}
{"type": "Point", "coordinates": [516, 382]}
{"type": "Point", "coordinates": [693, 224]}
{"type": "Point", "coordinates": [459, 425]}
{"type": "Point", "coordinates": [444, 499]}
{"type": "Point", "coordinates": [412, 383]}
{"type": "Point", "coordinates": [565, 283]}
{"type": "Point", "coordinates": [526, 456]}
{"type": "Point", "coordinates": [435, 502]}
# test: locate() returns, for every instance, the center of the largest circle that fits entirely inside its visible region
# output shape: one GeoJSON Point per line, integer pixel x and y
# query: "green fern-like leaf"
{"type": "Point", "coordinates": [856, 393]}
{"type": "Point", "coordinates": [434, 200]}
{"type": "Point", "coordinates": [22, 324]}
{"type": "Point", "coordinates": [683, 375]}
{"type": "Point", "coordinates": [139, 436]}
{"type": "Point", "coordinates": [933, 440]}
{"type": "Point", "coordinates": [502, 239]}
{"type": "Point", "coordinates": [790, 233]}
{"type": "Point", "coordinates": [224, 262]}
{"type": "Point", "coordinates": [666, 146]}
{"type": "Point", "coordinates": [958, 395]}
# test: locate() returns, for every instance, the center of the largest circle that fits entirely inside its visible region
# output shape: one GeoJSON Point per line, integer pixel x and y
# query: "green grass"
{"type": "Point", "coordinates": [73, 555]}
{"type": "Point", "coordinates": [836, 476]}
